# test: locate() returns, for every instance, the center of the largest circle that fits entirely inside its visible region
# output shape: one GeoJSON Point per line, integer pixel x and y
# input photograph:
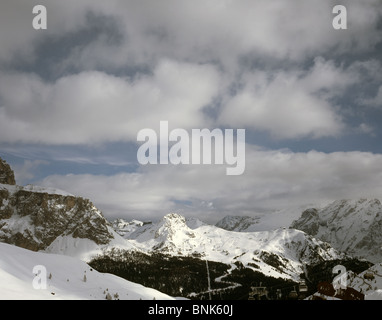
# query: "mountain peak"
{"type": "Point", "coordinates": [174, 218]}
{"type": "Point", "coordinates": [171, 225]}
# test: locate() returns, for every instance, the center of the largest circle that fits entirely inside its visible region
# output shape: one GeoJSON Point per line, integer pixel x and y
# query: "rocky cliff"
{"type": "Point", "coordinates": [6, 173]}
{"type": "Point", "coordinates": [34, 219]}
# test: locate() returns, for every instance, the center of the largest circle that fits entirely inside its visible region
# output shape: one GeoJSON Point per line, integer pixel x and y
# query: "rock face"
{"type": "Point", "coordinates": [33, 220]}
{"type": "Point", "coordinates": [238, 223]}
{"type": "Point", "coordinates": [33, 217]}
{"type": "Point", "coordinates": [351, 226]}
{"type": "Point", "coordinates": [125, 228]}
{"type": "Point", "coordinates": [6, 173]}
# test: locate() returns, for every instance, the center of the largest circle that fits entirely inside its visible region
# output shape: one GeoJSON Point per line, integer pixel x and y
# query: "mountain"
{"type": "Point", "coordinates": [264, 221]}
{"type": "Point", "coordinates": [34, 275]}
{"type": "Point", "coordinates": [38, 218]}
{"type": "Point", "coordinates": [238, 223]}
{"type": "Point", "coordinates": [51, 221]}
{"type": "Point", "coordinates": [125, 228]}
{"type": "Point", "coordinates": [279, 253]}
{"type": "Point", "coordinates": [351, 226]}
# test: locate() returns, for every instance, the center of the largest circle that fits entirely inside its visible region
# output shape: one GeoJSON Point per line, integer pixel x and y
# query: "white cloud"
{"type": "Point", "coordinates": [272, 180]}
{"type": "Point", "coordinates": [94, 107]}
{"type": "Point", "coordinates": [226, 31]}
{"type": "Point", "coordinates": [197, 31]}
{"type": "Point", "coordinates": [27, 171]}
{"type": "Point", "coordinates": [192, 53]}
{"type": "Point", "coordinates": [290, 104]}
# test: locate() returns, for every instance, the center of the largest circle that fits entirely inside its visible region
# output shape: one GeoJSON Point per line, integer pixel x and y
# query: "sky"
{"type": "Point", "coordinates": [74, 96]}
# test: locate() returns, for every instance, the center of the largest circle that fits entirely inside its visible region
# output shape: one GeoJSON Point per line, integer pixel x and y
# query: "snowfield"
{"type": "Point", "coordinates": [66, 278]}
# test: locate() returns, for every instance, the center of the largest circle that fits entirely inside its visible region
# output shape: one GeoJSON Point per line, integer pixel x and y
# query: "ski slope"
{"type": "Point", "coordinates": [66, 278]}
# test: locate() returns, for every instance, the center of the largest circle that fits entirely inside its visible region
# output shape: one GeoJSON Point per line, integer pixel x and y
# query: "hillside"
{"type": "Point", "coordinates": [66, 278]}
{"type": "Point", "coordinates": [279, 253]}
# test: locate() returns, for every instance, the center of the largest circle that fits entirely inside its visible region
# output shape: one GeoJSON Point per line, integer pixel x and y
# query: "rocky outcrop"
{"type": "Point", "coordinates": [7, 175]}
{"type": "Point", "coordinates": [33, 220]}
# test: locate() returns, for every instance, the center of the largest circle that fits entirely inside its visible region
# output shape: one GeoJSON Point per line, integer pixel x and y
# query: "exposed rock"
{"type": "Point", "coordinates": [7, 175]}
{"type": "Point", "coordinates": [351, 226]}
{"type": "Point", "coordinates": [33, 220]}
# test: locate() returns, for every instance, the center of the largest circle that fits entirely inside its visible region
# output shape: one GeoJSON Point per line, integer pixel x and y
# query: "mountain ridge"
{"type": "Point", "coordinates": [281, 252]}
{"type": "Point", "coordinates": [352, 226]}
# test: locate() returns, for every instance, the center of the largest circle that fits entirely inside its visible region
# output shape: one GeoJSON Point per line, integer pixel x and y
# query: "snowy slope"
{"type": "Point", "coordinates": [85, 249]}
{"type": "Point", "coordinates": [279, 253]}
{"type": "Point", "coordinates": [54, 221]}
{"type": "Point", "coordinates": [351, 226]}
{"type": "Point", "coordinates": [70, 278]}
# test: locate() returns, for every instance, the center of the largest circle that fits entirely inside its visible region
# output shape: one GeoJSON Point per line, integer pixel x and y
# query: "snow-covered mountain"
{"type": "Point", "coordinates": [279, 253]}
{"type": "Point", "coordinates": [30, 275]}
{"type": "Point", "coordinates": [125, 228]}
{"type": "Point", "coordinates": [351, 226]}
{"type": "Point", "coordinates": [36, 218]}
{"type": "Point", "coordinates": [239, 223]}
{"type": "Point", "coordinates": [56, 222]}
{"type": "Point", "coordinates": [264, 221]}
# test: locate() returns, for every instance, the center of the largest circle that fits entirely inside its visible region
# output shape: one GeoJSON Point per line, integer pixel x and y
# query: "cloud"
{"type": "Point", "coordinates": [95, 107]}
{"type": "Point", "coordinates": [228, 31]}
{"type": "Point", "coordinates": [220, 31]}
{"type": "Point", "coordinates": [103, 70]}
{"type": "Point", "coordinates": [290, 104]}
{"type": "Point", "coordinates": [27, 171]}
{"type": "Point", "coordinates": [277, 179]}
{"type": "Point", "coordinates": [375, 101]}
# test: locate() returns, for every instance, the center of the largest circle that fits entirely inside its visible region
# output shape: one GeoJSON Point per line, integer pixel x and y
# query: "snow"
{"type": "Point", "coordinates": [173, 236]}
{"type": "Point", "coordinates": [67, 279]}
{"type": "Point", "coordinates": [264, 221]}
{"type": "Point", "coordinates": [375, 295]}
{"type": "Point", "coordinates": [33, 188]}
{"type": "Point", "coordinates": [351, 226]}
{"type": "Point", "coordinates": [125, 228]}
{"type": "Point", "coordinates": [86, 249]}
{"type": "Point", "coordinates": [38, 189]}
